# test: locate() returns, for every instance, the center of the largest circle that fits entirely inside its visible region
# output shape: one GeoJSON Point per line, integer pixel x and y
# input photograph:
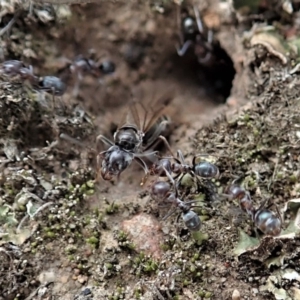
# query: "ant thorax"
{"type": "Point", "coordinates": [128, 138]}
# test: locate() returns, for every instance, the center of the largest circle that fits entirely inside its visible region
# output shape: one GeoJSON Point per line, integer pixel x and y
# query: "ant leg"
{"type": "Point", "coordinates": [172, 181]}
{"type": "Point", "coordinates": [10, 23]}
{"type": "Point", "coordinates": [181, 51]}
{"type": "Point", "coordinates": [198, 19]}
{"type": "Point", "coordinates": [167, 144]}
{"type": "Point", "coordinates": [205, 59]}
{"type": "Point", "coordinates": [145, 154]}
{"type": "Point", "coordinates": [77, 81]}
{"type": "Point", "coordinates": [264, 205]}
{"type": "Point", "coordinates": [210, 36]}
{"type": "Point", "coordinates": [53, 98]}
{"type": "Point", "coordinates": [177, 226]}
{"type": "Point", "coordinates": [257, 235]}
{"type": "Point", "coordinates": [180, 156]}
{"type": "Point", "coordinates": [157, 133]}
{"type": "Point", "coordinates": [178, 19]}
{"type": "Point", "coordinates": [104, 139]}
{"type": "Point", "coordinates": [66, 137]}
{"type": "Point", "coordinates": [162, 205]}
{"type": "Point", "coordinates": [145, 168]}
{"type": "Point", "coordinates": [169, 214]}
{"type": "Point", "coordinates": [76, 88]}
{"type": "Point", "coordinates": [170, 178]}
{"type": "Point", "coordinates": [238, 179]}
{"type": "Point", "coordinates": [98, 162]}
{"type": "Point", "coordinates": [279, 215]}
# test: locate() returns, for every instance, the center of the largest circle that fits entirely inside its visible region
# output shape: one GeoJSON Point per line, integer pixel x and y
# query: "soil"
{"type": "Point", "coordinates": [68, 234]}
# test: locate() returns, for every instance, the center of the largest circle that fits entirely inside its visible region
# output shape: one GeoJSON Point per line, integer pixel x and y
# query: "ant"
{"type": "Point", "coordinates": [237, 192]}
{"type": "Point", "coordinates": [133, 138]}
{"type": "Point", "coordinates": [264, 219]}
{"type": "Point", "coordinates": [81, 66]}
{"type": "Point", "coordinates": [192, 35]}
{"type": "Point", "coordinates": [161, 190]}
{"type": "Point", "coordinates": [49, 84]}
{"type": "Point", "coordinates": [16, 68]}
{"type": "Point", "coordinates": [202, 169]}
{"type": "Point", "coordinates": [267, 221]}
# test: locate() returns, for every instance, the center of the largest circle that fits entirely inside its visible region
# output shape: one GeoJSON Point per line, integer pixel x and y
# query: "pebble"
{"type": "Point", "coordinates": [82, 279]}
{"type": "Point", "coordinates": [236, 295]}
{"type": "Point", "coordinates": [145, 233]}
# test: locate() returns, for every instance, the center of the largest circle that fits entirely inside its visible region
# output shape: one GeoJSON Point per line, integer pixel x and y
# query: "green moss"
{"type": "Point", "coordinates": [112, 208]}
{"type": "Point", "coordinates": [94, 241]}
{"type": "Point", "coordinates": [50, 234]}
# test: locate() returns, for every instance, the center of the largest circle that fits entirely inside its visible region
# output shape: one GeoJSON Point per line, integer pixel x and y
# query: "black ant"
{"type": "Point", "coordinates": [82, 66]}
{"type": "Point", "coordinates": [267, 221]}
{"type": "Point", "coordinates": [50, 84]}
{"type": "Point", "coordinates": [15, 68]}
{"type": "Point", "coordinates": [196, 171]}
{"type": "Point", "coordinates": [192, 34]}
{"type": "Point", "coordinates": [264, 219]}
{"type": "Point", "coordinates": [202, 169]}
{"type": "Point", "coordinates": [161, 191]}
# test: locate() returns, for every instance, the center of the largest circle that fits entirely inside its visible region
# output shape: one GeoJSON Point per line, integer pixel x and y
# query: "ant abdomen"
{"type": "Point", "coordinates": [52, 84]}
{"type": "Point", "coordinates": [191, 220]}
{"type": "Point", "coordinates": [206, 170]}
{"type": "Point", "coordinates": [236, 192]}
{"type": "Point", "coordinates": [267, 222]}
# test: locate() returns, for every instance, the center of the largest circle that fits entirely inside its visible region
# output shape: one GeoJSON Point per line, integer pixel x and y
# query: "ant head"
{"type": "Point", "coordinates": [107, 67]}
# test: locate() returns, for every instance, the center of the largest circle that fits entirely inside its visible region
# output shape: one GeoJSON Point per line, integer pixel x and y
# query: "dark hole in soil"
{"type": "Point", "coordinates": [216, 78]}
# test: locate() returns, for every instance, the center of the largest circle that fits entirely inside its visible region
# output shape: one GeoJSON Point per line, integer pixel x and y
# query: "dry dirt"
{"type": "Point", "coordinates": [64, 235]}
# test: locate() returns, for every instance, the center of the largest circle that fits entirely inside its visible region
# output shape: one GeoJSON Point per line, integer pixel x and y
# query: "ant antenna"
{"type": "Point", "coordinates": [66, 137]}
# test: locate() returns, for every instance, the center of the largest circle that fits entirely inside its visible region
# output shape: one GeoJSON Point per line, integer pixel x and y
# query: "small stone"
{"type": "Point", "coordinates": [47, 276]}
{"type": "Point", "coordinates": [236, 295]}
{"type": "Point", "coordinates": [145, 233]}
{"type": "Point", "coordinates": [76, 272]}
{"type": "Point", "coordinates": [64, 278]}
{"type": "Point", "coordinates": [82, 279]}
{"type": "Point", "coordinates": [151, 27]}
